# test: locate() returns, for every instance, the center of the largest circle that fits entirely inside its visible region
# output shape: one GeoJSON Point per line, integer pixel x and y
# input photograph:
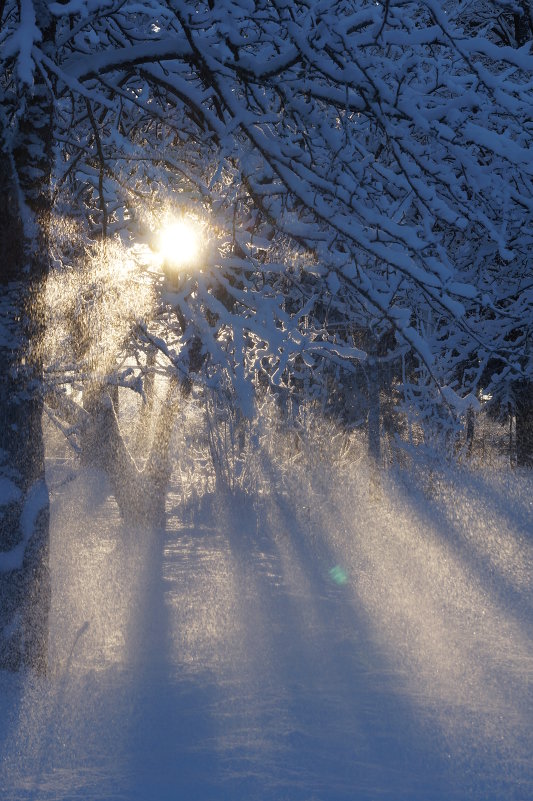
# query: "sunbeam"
{"type": "Point", "coordinates": [297, 640]}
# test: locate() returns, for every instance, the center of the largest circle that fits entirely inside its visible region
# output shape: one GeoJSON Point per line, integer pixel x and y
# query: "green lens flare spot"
{"type": "Point", "coordinates": [338, 575]}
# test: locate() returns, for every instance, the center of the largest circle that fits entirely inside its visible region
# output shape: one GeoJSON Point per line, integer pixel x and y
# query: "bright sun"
{"type": "Point", "coordinates": [179, 243]}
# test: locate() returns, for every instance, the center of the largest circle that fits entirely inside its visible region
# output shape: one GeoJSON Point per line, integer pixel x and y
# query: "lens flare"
{"type": "Point", "coordinates": [338, 575]}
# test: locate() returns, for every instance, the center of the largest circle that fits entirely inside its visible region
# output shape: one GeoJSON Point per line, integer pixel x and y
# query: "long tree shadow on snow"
{"type": "Point", "coordinates": [346, 728]}
{"type": "Point", "coordinates": [464, 641]}
{"type": "Point", "coordinates": [457, 653]}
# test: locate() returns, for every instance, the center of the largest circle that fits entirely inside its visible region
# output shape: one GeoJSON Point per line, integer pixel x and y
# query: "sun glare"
{"type": "Point", "coordinates": [179, 243]}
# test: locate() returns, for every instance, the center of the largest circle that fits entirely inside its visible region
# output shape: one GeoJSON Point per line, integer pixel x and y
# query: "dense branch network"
{"type": "Point", "coordinates": [382, 148]}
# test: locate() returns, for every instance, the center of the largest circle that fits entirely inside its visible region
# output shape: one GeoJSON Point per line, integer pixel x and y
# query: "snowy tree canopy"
{"type": "Point", "coordinates": [384, 147]}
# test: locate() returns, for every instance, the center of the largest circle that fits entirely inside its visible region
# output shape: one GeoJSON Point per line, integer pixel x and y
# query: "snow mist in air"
{"type": "Point", "coordinates": [295, 632]}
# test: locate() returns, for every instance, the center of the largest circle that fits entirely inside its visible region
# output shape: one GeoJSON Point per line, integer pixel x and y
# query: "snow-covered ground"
{"type": "Point", "coordinates": [307, 643]}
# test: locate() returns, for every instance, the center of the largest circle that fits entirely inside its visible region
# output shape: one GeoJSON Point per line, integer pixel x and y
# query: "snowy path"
{"type": "Point", "coordinates": [254, 653]}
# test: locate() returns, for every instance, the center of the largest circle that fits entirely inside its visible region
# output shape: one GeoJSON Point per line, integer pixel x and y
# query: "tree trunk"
{"type": "Point", "coordinates": [140, 494]}
{"type": "Point", "coordinates": [522, 24]}
{"type": "Point", "coordinates": [374, 427]}
{"type": "Point", "coordinates": [25, 208]}
{"type": "Point", "coordinates": [523, 392]}
{"type": "Point", "coordinates": [470, 429]}
{"type": "Point", "coordinates": [24, 509]}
